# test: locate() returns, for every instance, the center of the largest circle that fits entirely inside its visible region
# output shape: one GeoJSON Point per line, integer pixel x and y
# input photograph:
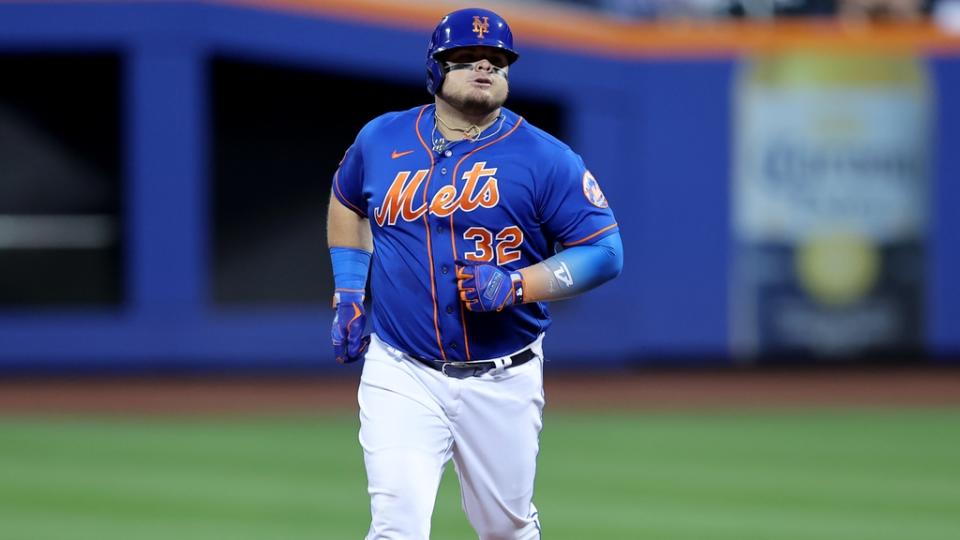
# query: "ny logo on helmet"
{"type": "Point", "coordinates": [481, 27]}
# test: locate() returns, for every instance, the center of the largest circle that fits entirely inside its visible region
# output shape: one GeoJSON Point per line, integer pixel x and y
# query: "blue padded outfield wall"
{"type": "Point", "coordinates": [655, 129]}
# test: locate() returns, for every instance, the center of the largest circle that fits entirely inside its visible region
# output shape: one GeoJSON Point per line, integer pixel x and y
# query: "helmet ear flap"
{"type": "Point", "coordinates": [434, 76]}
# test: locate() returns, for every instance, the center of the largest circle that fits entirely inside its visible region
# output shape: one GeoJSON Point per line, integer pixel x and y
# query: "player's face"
{"type": "Point", "coordinates": [479, 88]}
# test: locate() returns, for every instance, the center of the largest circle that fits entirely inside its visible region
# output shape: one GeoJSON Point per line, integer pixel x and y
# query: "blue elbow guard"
{"type": "Point", "coordinates": [581, 268]}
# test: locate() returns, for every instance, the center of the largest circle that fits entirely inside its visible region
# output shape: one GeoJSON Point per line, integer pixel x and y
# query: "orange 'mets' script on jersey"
{"type": "Point", "coordinates": [399, 200]}
{"type": "Point", "coordinates": [395, 154]}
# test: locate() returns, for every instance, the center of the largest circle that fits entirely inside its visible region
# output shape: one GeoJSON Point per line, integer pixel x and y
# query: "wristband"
{"type": "Point", "coordinates": [350, 268]}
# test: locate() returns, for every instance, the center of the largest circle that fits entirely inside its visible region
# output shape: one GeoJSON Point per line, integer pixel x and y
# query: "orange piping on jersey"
{"type": "Point", "coordinates": [453, 237]}
{"type": "Point", "coordinates": [582, 240]}
{"type": "Point", "coordinates": [453, 247]}
{"type": "Point", "coordinates": [426, 224]}
{"type": "Point", "coordinates": [343, 198]}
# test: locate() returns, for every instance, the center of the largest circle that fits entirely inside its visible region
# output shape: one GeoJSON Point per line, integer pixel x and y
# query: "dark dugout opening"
{"type": "Point", "coordinates": [61, 161]}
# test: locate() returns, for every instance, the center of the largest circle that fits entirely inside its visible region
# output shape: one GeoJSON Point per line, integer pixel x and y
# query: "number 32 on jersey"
{"type": "Point", "coordinates": [487, 244]}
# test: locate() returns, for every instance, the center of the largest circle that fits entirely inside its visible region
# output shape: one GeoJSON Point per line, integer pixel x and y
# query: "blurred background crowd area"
{"type": "Point", "coordinates": [944, 11]}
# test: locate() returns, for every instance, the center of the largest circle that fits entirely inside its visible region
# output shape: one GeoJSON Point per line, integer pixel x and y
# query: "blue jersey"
{"type": "Point", "coordinates": [507, 198]}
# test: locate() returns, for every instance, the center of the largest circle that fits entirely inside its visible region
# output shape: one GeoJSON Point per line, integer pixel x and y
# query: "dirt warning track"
{"type": "Point", "coordinates": [653, 390]}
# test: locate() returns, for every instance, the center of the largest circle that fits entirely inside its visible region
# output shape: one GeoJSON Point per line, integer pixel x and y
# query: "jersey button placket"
{"type": "Point", "coordinates": [440, 227]}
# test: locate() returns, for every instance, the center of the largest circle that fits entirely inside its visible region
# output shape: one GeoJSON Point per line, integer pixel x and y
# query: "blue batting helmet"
{"type": "Point", "coordinates": [469, 27]}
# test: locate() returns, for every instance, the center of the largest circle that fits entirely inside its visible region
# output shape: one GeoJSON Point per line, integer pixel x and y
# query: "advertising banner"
{"type": "Point", "coordinates": [830, 204]}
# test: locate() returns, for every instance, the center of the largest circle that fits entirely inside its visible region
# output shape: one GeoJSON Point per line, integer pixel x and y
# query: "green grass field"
{"type": "Point", "coordinates": [811, 475]}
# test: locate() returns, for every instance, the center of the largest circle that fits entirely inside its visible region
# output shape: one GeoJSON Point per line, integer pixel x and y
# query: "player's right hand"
{"type": "Point", "coordinates": [349, 344]}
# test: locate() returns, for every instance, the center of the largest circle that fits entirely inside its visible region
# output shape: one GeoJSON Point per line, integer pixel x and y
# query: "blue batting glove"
{"type": "Point", "coordinates": [485, 287]}
{"type": "Point", "coordinates": [349, 344]}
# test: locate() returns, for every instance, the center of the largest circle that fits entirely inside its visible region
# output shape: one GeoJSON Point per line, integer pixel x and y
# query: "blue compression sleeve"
{"type": "Point", "coordinates": [581, 268]}
{"type": "Point", "coordinates": [350, 267]}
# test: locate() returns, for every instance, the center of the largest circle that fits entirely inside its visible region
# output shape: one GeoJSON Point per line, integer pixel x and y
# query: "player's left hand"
{"type": "Point", "coordinates": [486, 287]}
{"type": "Point", "coordinates": [349, 345]}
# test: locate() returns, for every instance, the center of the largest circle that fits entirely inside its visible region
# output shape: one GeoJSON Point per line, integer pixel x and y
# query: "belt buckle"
{"type": "Point", "coordinates": [467, 366]}
{"type": "Point", "coordinates": [457, 365]}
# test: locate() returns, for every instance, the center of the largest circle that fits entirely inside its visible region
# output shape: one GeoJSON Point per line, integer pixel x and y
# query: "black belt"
{"type": "Point", "coordinates": [475, 368]}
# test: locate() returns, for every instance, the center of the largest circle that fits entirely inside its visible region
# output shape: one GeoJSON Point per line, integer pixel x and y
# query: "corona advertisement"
{"type": "Point", "coordinates": [830, 205]}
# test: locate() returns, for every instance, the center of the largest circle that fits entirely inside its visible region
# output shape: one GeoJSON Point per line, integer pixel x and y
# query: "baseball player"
{"type": "Point", "coordinates": [471, 220]}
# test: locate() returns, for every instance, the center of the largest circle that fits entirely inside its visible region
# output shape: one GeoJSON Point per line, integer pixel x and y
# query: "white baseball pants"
{"type": "Point", "coordinates": [413, 419]}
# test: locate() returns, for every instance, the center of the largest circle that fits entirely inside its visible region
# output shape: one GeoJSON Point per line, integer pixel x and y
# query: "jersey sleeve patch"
{"type": "Point", "coordinates": [591, 190]}
{"type": "Point", "coordinates": [573, 206]}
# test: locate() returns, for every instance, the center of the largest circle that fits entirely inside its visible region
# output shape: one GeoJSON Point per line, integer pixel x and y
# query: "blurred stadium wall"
{"type": "Point", "coordinates": [784, 190]}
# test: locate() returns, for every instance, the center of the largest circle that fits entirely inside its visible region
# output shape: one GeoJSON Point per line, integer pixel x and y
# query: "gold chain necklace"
{"type": "Point", "coordinates": [472, 133]}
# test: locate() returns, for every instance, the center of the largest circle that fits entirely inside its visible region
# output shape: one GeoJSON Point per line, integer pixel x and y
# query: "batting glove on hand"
{"type": "Point", "coordinates": [485, 287]}
{"type": "Point", "coordinates": [349, 345]}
